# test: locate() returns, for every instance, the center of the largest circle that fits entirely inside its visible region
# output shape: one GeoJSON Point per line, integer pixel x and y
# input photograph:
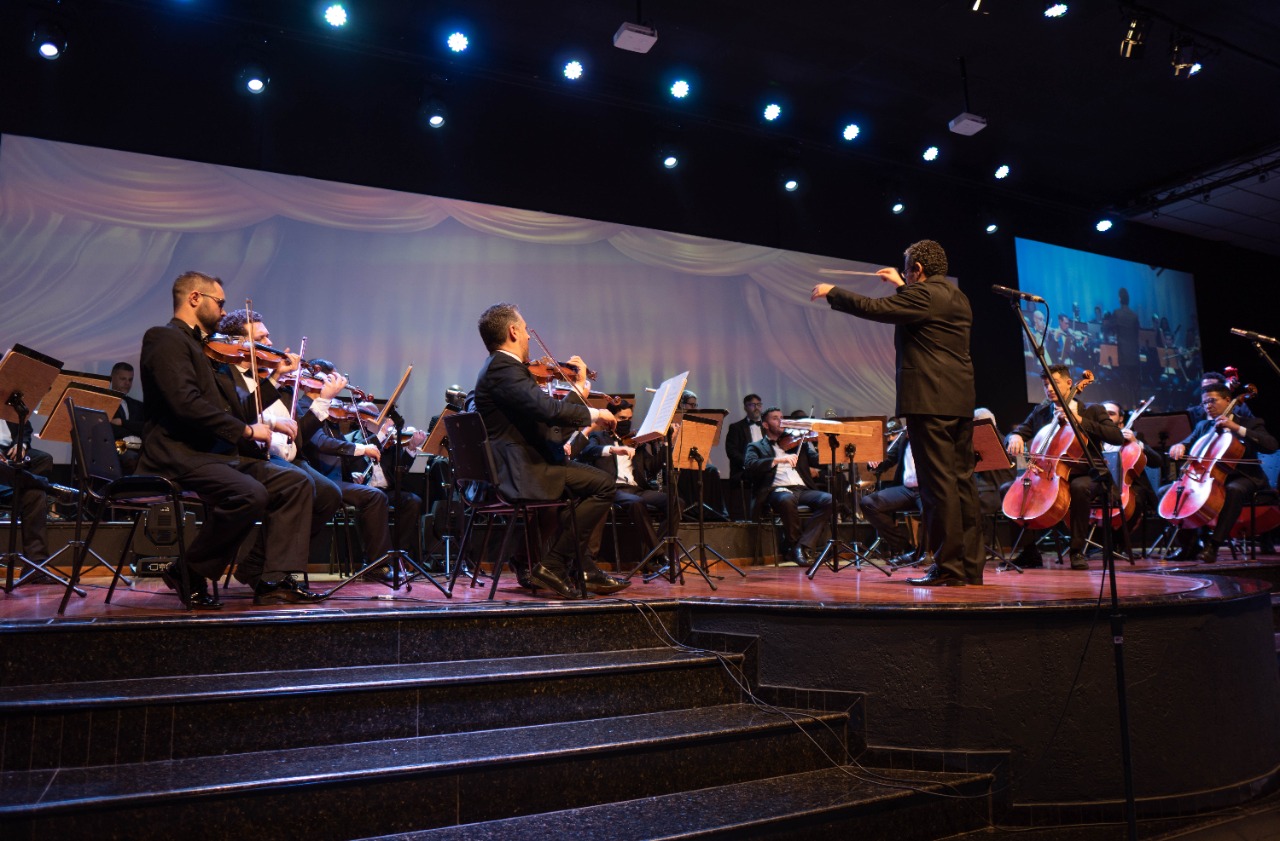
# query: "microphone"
{"type": "Point", "coordinates": [1014, 293]}
{"type": "Point", "coordinates": [1257, 337]}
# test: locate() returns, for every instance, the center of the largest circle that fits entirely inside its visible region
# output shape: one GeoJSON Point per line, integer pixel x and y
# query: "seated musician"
{"type": "Point", "coordinates": [127, 420]}
{"type": "Point", "coordinates": [34, 510]}
{"type": "Point", "coordinates": [1243, 479]}
{"type": "Point", "coordinates": [784, 481]}
{"type": "Point", "coordinates": [517, 415]}
{"type": "Point", "coordinates": [741, 433]}
{"type": "Point", "coordinates": [389, 459]}
{"type": "Point", "coordinates": [632, 470]}
{"type": "Point", "coordinates": [902, 495]}
{"type": "Point", "coordinates": [1095, 424]}
{"type": "Point", "coordinates": [1144, 494]}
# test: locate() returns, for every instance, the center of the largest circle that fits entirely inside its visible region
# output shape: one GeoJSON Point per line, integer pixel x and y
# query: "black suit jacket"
{"type": "Point", "coordinates": [931, 321]}
{"type": "Point", "coordinates": [1094, 422]}
{"type": "Point", "coordinates": [642, 466]}
{"type": "Point", "coordinates": [195, 414]}
{"type": "Point", "coordinates": [518, 416]}
{"type": "Point", "coordinates": [735, 446]}
{"type": "Point", "coordinates": [135, 423]}
{"type": "Point", "coordinates": [759, 469]}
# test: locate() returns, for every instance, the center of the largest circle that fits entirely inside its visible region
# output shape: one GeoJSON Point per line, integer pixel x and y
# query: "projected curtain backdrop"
{"type": "Point", "coordinates": [91, 239]}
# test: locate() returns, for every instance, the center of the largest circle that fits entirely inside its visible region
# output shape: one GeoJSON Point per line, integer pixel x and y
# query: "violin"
{"type": "Point", "coordinates": [1041, 496]}
{"type": "Point", "coordinates": [1133, 460]}
{"type": "Point", "coordinates": [793, 438]}
{"type": "Point", "coordinates": [237, 351]}
{"type": "Point", "coordinates": [344, 410]}
{"type": "Point", "coordinates": [545, 370]}
{"type": "Point", "coordinates": [1196, 497]}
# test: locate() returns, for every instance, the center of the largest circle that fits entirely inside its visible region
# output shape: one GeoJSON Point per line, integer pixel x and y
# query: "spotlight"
{"type": "Point", "coordinates": [573, 70]}
{"type": "Point", "coordinates": [1185, 58]}
{"type": "Point", "coordinates": [930, 154]}
{"type": "Point", "coordinates": [992, 227]}
{"type": "Point", "coordinates": [670, 161]}
{"type": "Point", "coordinates": [49, 41]}
{"type": "Point", "coordinates": [1103, 225]}
{"type": "Point", "coordinates": [851, 131]}
{"type": "Point", "coordinates": [680, 89]}
{"type": "Point", "coordinates": [1134, 43]}
{"type": "Point", "coordinates": [457, 42]}
{"type": "Point", "coordinates": [254, 79]}
{"type": "Point", "coordinates": [790, 185]}
{"type": "Point", "coordinates": [1002, 172]}
{"type": "Point", "coordinates": [897, 208]}
{"type": "Point", "coordinates": [435, 114]}
{"type": "Point", "coordinates": [772, 111]}
{"type": "Point", "coordinates": [336, 16]}
{"type": "Point", "coordinates": [1055, 10]}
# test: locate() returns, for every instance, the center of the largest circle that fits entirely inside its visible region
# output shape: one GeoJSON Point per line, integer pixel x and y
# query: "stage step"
{"type": "Point", "coordinates": [125, 721]}
{"type": "Point", "coordinates": [357, 790]}
{"type": "Point", "coordinates": [843, 802]}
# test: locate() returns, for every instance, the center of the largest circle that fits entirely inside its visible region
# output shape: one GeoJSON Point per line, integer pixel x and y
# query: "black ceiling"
{"type": "Point", "coordinates": [1082, 129]}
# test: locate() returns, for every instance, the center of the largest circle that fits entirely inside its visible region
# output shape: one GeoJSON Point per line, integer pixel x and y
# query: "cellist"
{"type": "Point", "coordinates": [1242, 480]}
{"type": "Point", "coordinates": [1144, 494]}
{"type": "Point", "coordinates": [1098, 428]}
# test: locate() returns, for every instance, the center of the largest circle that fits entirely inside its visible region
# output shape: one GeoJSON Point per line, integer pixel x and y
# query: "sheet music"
{"type": "Point", "coordinates": [662, 409]}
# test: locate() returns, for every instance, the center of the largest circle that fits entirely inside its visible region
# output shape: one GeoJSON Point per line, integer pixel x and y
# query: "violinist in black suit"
{"type": "Point", "coordinates": [932, 320]}
{"type": "Point", "coordinates": [903, 494]}
{"type": "Point", "coordinates": [517, 415]}
{"type": "Point", "coordinates": [203, 432]}
{"type": "Point", "coordinates": [1243, 479]}
{"type": "Point", "coordinates": [386, 471]}
{"type": "Point", "coordinates": [742, 433]}
{"type": "Point", "coordinates": [1083, 487]}
{"type": "Point", "coordinates": [632, 470]}
{"type": "Point", "coordinates": [784, 481]}
{"type": "Point", "coordinates": [128, 419]}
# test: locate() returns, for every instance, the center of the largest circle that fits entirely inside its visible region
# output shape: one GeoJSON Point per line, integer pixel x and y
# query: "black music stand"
{"type": "Point", "coordinates": [990, 454]}
{"type": "Point", "coordinates": [24, 374]}
{"type": "Point", "coordinates": [704, 416]}
{"type": "Point", "coordinates": [437, 447]}
{"type": "Point", "coordinates": [697, 434]}
{"type": "Point", "coordinates": [844, 438]}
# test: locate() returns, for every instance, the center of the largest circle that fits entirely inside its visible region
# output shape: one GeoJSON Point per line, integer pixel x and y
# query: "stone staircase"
{"type": "Point", "coordinates": [550, 721]}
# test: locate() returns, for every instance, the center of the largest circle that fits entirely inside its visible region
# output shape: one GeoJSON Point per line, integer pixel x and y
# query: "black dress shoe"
{"type": "Point", "coordinates": [522, 575]}
{"type": "Point", "coordinates": [937, 577]}
{"type": "Point", "coordinates": [1029, 558]}
{"type": "Point", "coordinates": [1187, 552]}
{"type": "Point", "coordinates": [198, 597]}
{"type": "Point", "coordinates": [557, 583]}
{"type": "Point", "coordinates": [908, 558]}
{"type": "Point", "coordinates": [795, 555]}
{"type": "Point", "coordinates": [1078, 561]}
{"type": "Point", "coordinates": [287, 589]}
{"type": "Point", "coordinates": [602, 584]}
{"type": "Point", "coordinates": [38, 576]}
{"type": "Point", "coordinates": [1209, 554]}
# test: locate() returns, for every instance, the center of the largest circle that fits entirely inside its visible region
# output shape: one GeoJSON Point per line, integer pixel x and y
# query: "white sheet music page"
{"type": "Point", "coordinates": [662, 409]}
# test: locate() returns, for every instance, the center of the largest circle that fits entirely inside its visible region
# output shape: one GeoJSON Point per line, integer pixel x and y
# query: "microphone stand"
{"type": "Point", "coordinates": [1109, 568]}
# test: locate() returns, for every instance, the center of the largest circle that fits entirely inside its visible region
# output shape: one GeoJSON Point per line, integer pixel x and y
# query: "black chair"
{"type": "Point", "coordinates": [476, 479]}
{"type": "Point", "coordinates": [105, 487]}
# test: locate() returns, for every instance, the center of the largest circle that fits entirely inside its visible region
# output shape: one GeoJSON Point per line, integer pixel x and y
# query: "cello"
{"type": "Point", "coordinates": [1132, 460]}
{"type": "Point", "coordinates": [1196, 497]}
{"type": "Point", "coordinates": [1041, 496]}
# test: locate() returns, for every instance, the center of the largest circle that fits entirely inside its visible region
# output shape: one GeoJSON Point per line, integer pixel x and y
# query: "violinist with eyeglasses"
{"type": "Point", "coordinates": [204, 432]}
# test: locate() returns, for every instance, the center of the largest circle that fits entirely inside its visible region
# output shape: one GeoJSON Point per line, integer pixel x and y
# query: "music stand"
{"type": "Point", "coordinates": [437, 447]}
{"type": "Point", "coordinates": [717, 417]}
{"type": "Point", "coordinates": [990, 454]}
{"type": "Point", "coordinates": [844, 438]}
{"type": "Point", "coordinates": [698, 433]}
{"type": "Point", "coordinates": [1108, 356]}
{"type": "Point", "coordinates": [24, 374]}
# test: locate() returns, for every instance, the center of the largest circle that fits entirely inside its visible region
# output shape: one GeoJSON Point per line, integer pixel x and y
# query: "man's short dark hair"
{"type": "Point", "coordinates": [1218, 388]}
{"type": "Point", "coordinates": [324, 366]}
{"type": "Point", "coordinates": [687, 395]}
{"type": "Point", "coordinates": [929, 255]}
{"type": "Point", "coordinates": [621, 406]}
{"type": "Point", "coordinates": [495, 323]}
{"type": "Point", "coordinates": [769, 410]}
{"type": "Point", "coordinates": [236, 322]}
{"type": "Point", "coordinates": [121, 366]}
{"type": "Point", "coordinates": [1216, 376]}
{"type": "Point", "coordinates": [1059, 370]}
{"type": "Point", "coordinates": [751, 397]}
{"type": "Point", "coordinates": [189, 282]}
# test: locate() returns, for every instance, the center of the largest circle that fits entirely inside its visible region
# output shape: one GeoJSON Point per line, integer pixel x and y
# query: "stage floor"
{"type": "Point", "coordinates": [1147, 582]}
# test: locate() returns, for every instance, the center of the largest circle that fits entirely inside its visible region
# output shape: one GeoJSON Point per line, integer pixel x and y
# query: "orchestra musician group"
{"type": "Point", "coordinates": [259, 438]}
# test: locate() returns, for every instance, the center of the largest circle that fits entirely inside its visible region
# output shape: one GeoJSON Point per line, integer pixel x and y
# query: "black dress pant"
{"type": "Point", "coordinates": [943, 448]}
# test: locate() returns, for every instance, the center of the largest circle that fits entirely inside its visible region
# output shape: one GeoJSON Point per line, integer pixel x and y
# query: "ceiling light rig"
{"type": "Point", "coordinates": [1135, 35]}
{"type": "Point", "coordinates": [1184, 55]}
{"type": "Point", "coordinates": [1055, 10]}
{"type": "Point", "coordinates": [573, 70]}
{"type": "Point", "coordinates": [336, 15]}
{"type": "Point", "coordinates": [49, 41]}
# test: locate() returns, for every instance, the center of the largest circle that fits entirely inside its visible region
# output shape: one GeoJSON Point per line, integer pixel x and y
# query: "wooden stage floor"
{"type": "Point", "coordinates": [1146, 582]}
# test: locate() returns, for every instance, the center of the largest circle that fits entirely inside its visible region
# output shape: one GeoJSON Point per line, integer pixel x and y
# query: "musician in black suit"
{"type": "Point", "coordinates": [386, 473]}
{"type": "Point", "coordinates": [517, 415]}
{"type": "Point", "coordinates": [742, 433]}
{"type": "Point", "coordinates": [903, 494]}
{"type": "Point", "coordinates": [1243, 479]}
{"type": "Point", "coordinates": [202, 432]}
{"type": "Point", "coordinates": [128, 419]}
{"type": "Point", "coordinates": [932, 320]}
{"type": "Point", "coordinates": [632, 470]}
{"type": "Point", "coordinates": [783, 481]}
{"type": "Point", "coordinates": [1082, 486]}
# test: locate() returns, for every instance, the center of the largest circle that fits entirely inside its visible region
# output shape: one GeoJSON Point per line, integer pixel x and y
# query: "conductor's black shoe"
{"type": "Point", "coordinates": [937, 577]}
{"type": "Point", "coordinates": [906, 559]}
{"type": "Point", "coordinates": [287, 589]}
{"type": "Point", "coordinates": [198, 597]}
{"type": "Point", "coordinates": [557, 583]}
{"type": "Point", "coordinates": [795, 555]}
{"type": "Point", "coordinates": [1209, 554]}
{"type": "Point", "coordinates": [602, 584]}
{"type": "Point", "coordinates": [1078, 561]}
{"type": "Point", "coordinates": [1029, 558]}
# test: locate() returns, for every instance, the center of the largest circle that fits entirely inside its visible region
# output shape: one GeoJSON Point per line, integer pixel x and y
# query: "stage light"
{"type": "Point", "coordinates": [49, 41]}
{"type": "Point", "coordinates": [573, 71]}
{"type": "Point", "coordinates": [1134, 43]}
{"type": "Point", "coordinates": [457, 42]}
{"type": "Point", "coordinates": [1103, 225]}
{"type": "Point", "coordinates": [772, 111]}
{"type": "Point", "coordinates": [1002, 172]}
{"type": "Point", "coordinates": [791, 185]}
{"type": "Point", "coordinates": [254, 79]}
{"type": "Point", "coordinates": [930, 154]}
{"type": "Point", "coordinates": [435, 114]}
{"type": "Point", "coordinates": [680, 89]}
{"type": "Point", "coordinates": [336, 15]}
{"type": "Point", "coordinates": [992, 227]}
{"type": "Point", "coordinates": [1055, 10]}
{"type": "Point", "coordinates": [851, 131]}
{"type": "Point", "coordinates": [670, 160]}
{"type": "Point", "coordinates": [898, 208]}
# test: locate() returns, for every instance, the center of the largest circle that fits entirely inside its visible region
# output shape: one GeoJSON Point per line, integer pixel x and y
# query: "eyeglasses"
{"type": "Point", "coordinates": [221, 302]}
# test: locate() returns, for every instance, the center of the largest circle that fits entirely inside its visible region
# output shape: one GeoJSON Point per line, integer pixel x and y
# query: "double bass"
{"type": "Point", "coordinates": [1041, 496]}
{"type": "Point", "coordinates": [1132, 460]}
{"type": "Point", "coordinates": [1196, 497]}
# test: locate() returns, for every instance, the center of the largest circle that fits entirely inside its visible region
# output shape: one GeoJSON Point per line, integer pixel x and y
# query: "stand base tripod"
{"type": "Point", "coordinates": [398, 559]}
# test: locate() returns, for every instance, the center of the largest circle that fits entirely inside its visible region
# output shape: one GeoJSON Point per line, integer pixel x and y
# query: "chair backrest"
{"type": "Point", "coordinates": [1271, 467]}
{"type": "Point", "coordinates": [469, 453]}
{"type": "Point", "coordinates": [93, 442]}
